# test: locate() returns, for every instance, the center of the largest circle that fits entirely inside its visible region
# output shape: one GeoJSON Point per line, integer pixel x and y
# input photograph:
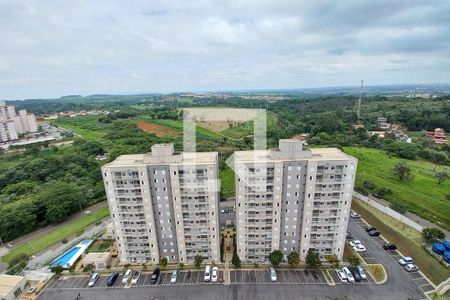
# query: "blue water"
{"type": "Point", "coordinates": [86, 242]}
{"type": "Point", "coordinates": [62, 261]}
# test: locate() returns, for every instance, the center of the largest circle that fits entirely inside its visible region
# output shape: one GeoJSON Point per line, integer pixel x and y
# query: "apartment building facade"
{"type": "Point", "coordinates": [164, 204]}
{"type": "Point", "coordinates": [292, 199]}
{"type": "Point", "coordinates": [12, 124]}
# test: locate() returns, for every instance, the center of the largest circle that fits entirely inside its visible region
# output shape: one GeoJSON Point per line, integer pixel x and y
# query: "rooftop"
{"type": "Point", "coordinates": [8, 283]}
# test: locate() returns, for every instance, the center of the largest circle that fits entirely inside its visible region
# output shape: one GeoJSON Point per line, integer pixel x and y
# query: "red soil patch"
{"type": "Point", "coordinates": [155, 128]}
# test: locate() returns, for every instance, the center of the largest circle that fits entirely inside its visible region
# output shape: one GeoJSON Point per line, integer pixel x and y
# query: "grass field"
{"type": "Point", "coordinates": [178, 126]}
{"type": "Point", "coordinates": [407, 240]}
{"type": "Point", "coordinates": [57, 235]}
{"type": "Point", "coordinates": [227, 182]}
{"type": "Point", "coordinates": [422, 195]}
{"type": "Point", "coordinates": [86, 126]}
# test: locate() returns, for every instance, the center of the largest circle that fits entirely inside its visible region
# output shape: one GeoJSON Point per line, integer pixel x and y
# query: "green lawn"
{"type": "Point", "coordinates": [239, 131]}
{"type": "Point", "coordinates": [422, 195]}
{"type": "Point", "coordinates": [86, 126]}
{"type": "Point", "coordinates": [57, 235]}
{"type": "Point", "coordinates": [227, 182]}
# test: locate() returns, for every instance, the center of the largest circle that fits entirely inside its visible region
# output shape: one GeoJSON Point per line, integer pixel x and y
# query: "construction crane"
{"type": "Point", "coordinates": [358, 109]}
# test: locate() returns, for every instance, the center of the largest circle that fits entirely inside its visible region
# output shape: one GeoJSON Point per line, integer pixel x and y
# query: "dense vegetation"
{"type": "Point", "coordinates": [42, 186]}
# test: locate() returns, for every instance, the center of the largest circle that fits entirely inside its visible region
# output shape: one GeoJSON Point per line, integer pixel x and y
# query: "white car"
{"type": "Point", "coordinates": [126, 276]}
{"type": "Point", "coordinates": [93, 279]}
{"type": "Point", "coordinates": [411, 268]}
{"type": "Point", "coordinates": [355, 215]}
{"type": "Point", "coordinates": [341, 276]}
{"type": "Point", "coordinates": [348, 274]}
{"type": "Point", "coordinates": [174, 276]}
{"type": "Point", "coordinates": [405, 260]}
{"type": "Point", "coordinates": [362, 273]}
{"type": "Point", "coordinates": [136, 276]}
{"type": "Point", "coordinates": [359, 248]}
{"type": "Point", "coordinates": [354, 243]}
{"type": "Point", "coordinates": [215, 274]}
{"type": "Point", "coordinates": [207, 274]}
{"type": "Point", "coordinates": [273, 274]}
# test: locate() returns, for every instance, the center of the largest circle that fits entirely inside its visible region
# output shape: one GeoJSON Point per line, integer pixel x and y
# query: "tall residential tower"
{"type": "Point", "coordinates": [164, 204]}
{"type": "Point", "coordinates": [292, 199]}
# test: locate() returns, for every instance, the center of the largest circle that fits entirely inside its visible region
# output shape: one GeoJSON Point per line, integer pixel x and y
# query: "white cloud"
{"type": "Point", "coordinates": [53, 48]}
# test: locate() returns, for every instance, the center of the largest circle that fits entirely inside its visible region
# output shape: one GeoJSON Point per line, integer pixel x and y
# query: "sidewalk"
{"type": "Point", "coordinates": [38, 260]}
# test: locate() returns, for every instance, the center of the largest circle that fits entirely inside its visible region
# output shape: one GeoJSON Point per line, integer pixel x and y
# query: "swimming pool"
{"type": "Point", "coordinates": [70, 257]}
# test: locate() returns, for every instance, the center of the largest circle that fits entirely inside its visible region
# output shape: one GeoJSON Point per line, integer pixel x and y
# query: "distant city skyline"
{"type": "Point", "coordinates": [82, 47]}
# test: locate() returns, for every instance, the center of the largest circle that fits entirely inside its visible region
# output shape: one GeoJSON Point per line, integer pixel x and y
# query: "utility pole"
{"type": "Point", "coordinates": [358, 110]}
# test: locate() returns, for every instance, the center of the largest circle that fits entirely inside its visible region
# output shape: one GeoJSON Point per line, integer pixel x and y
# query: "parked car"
{"type": "Point", "coordinates": [355, 215]}
{"type": "Point", "coordinates": [155, 276]}
{"type": "Point", "coordinates": [207, 274]}
{"type": "Point", "coordinates": [174, 276]}
{"type": "Point", "coordinates": [374, 233]}
{"type": "Point", "coordinates": [93, 280]}
{"type": "Point", "coordinates": [348, 274]}
{"type": "Point", "coordinates": [354, 243]}
{"type": "Point", "coordinates": [215, 274]}
{"type": "Point", "coordinates": [348, 236]}
{"type": "Point", "coordinates": [389, 247]}
{"type": "Point", "coordinates": [112, 279]}
{"type": "Point", "coordinates": [361, 273]}
{"type": "Point", "coordinates": [370, 228]}
{"type": "Point", "coordinates": [405, 260]}
{"type": "Point", "coordinates": [126, 276]}
{"type": "Point", "coordinates": [341, 276]}
{"type": "Point", "coordinates": [227, 210]}
{"type": "Point", "coordinates": [273, 274]}
{"type": "Point", "coordinates": [355, 274]}
{"type": "Point", "coordinates": [411, 268]}
{"type": "Point", "coordinates": [136, 276]}
{"type": "Point", "coordinates": [359, 248]}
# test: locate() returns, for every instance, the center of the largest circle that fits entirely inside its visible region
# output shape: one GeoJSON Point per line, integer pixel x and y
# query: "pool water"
{"type": "Point", "coordinates": [63, 260]}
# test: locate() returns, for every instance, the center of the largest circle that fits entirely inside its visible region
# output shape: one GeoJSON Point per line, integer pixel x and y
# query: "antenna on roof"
{"type": "Point", "coordinates": [358, 110]}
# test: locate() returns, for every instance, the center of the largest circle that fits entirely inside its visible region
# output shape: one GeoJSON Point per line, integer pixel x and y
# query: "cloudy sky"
{"type": "Point", "coordinates": [54, 48]}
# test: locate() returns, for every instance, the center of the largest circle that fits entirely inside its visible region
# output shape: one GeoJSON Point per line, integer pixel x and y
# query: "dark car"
{"type": "Point", "coordinates": [112, 279]}
{"type": "Point", "coordinates": [155, 276]}
{"type": "Point", "coordinates": [355, 273]}
{"type": "Point", "coordinates": [389, 247]}
{"type": "Point", "coordinates": [370, 228]}
{"type": "Point", "coordinates": [374, 233]}
{"type": "Point", "coordinates": [349, 236]}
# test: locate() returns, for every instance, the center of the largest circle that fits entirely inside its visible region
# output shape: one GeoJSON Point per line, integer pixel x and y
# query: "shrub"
{"type": "Point", "coordinates": [276, 257]}
{"type": "Point", "coordinates": [64, 241]}
{"type": "Point", "coordinates": [236, 261]}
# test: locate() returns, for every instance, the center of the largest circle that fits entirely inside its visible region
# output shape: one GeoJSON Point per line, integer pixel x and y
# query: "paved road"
{"type": "Point", "coordinates": [398, 278]}
{"type": "Point", "coordinates": [221, 292]}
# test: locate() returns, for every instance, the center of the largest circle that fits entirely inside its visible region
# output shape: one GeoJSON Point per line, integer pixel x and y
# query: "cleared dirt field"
{"type": "Point", "coordinates": [155, 128]}
{"type": "Point", "coordinates": [217, 126]}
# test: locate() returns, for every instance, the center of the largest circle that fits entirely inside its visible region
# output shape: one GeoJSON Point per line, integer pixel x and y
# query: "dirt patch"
{"type": "Point", "coordinates": [155, 128]}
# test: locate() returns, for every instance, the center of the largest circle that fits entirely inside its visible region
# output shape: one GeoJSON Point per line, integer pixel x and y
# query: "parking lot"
{"type": "Point", "coordinates": [184, 278]}
{"type": "Point", "coordinates": [283, 277]}
{"type": "Point", "coordinates": [416, 277]}
{"type": "Point", "coordinates": [369, 279]}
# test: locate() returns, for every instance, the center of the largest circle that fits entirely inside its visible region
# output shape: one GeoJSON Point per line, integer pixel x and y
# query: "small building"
{"type": "Point", "coordinates": [99, 259]}
{"type": "Point", "coordinates": [437, 136]}
{"type": "Point", "coordinates": [11, 287]}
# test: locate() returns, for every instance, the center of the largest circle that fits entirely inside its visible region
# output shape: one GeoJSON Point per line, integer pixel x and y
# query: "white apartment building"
{"type": "Point", "coordinates": [164, 204]}
{"type": "Point", "coordinates": [11, 124]}
{"type": "Point", "coordinates": [292, 199]}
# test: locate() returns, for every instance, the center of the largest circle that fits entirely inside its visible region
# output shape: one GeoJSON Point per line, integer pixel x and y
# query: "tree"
{"type": "Point", "coordinates": [236, 261]}
{"type": "Point", "coordinates": [354, 260]}
{"type": "Point", "coordinates": [333, 260]}
{"type": "Point", "coordinates": [17, 264]}
{"type": "Point", "coordinates": [293, 259]}
{"type": "Point", "coordinates": [431, 235]}
{"type": "Point", "coordinates": [163, 262]}
{"type": "Point", "coordinates": [276, 257]}
{"type": "Point", "coordinates": [57, 269]}
{"type": "Point", "coordinates": [403, 171]}
{"type": "Point", "coordinates": [313, 259]}
{"type": "Point", "coordinates": [442, 176]}
{"type": "Point", "coordinates": [198, 261]}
